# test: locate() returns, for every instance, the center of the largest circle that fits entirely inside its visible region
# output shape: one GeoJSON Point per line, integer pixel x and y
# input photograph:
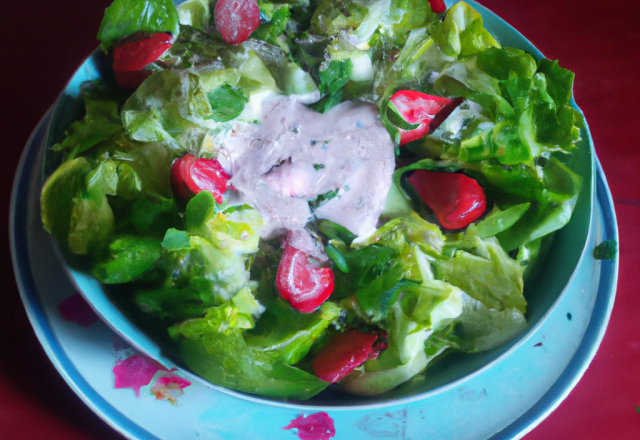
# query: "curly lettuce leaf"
{"type": "Point", "coordinates": [100, 123]}
{"type": "Point", "coordinates": [234, 228]}
{"type": "Point", "coordinates": [196, 13]}
{"type": "Point", "coordinates": [409, 324]}
{"type": "Point", "coordinates": [484, 271]}
{"type": "Point", "coordinates": [462, 32]}
{"type": "Point", "coordinates": [226, 270]}
{"type": "Point", "coordinates": [56, 200]}
{"type": "Point", "coordinates": [290, 334]}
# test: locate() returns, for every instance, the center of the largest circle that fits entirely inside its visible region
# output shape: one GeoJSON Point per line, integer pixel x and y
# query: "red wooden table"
{"type": "Point", "coordinates": [44, 41]}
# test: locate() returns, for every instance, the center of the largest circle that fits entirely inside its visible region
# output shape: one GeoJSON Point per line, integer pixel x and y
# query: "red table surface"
{"type": "Point", "coordinates": [44, 41]}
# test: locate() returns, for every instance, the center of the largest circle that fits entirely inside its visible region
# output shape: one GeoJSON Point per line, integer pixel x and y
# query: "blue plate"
{"type": "Point", "coordinates": [502, 393]}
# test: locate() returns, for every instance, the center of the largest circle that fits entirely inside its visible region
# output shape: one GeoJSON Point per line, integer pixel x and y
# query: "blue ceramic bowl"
{"type": "Point", "coordinates": [542, 293]}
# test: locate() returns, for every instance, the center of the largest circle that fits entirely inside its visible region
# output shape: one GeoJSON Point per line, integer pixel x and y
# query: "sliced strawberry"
{"type": "Point", "coordinates": [236, 19]}
{"type": "Point", "coordinates": [134, 55]}
{"type": "Point", "coordinates": [189, 176]}
{"type": "Point", "coordinates": [419, 108]}
{"type": "Point", "coordinates": [437, 6]}
{"type": "Point", "coordinates": [345, 352]}
{"type": "Point", "coordinates": [302, 283]}
{"type": "Point", "coordinates": [456, 200]}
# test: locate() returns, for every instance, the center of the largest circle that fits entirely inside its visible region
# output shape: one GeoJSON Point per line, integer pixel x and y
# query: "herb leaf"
{"type": "Point", "coordinates": [227, 102]}
{"type": "Point", "coordinates": [606, 250]}
{"type": "Point", "coordinates": [126, 17]}
{"type": "Point", "coordinates": [332, 80]}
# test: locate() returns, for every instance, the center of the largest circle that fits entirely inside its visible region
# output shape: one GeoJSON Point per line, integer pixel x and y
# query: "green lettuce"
{"type": "Point", "coordinates": [101, 122]}
{"type": "Point", "coordinates": [484, 271]}
{"type": "Point", "coordinates": [234, 228]}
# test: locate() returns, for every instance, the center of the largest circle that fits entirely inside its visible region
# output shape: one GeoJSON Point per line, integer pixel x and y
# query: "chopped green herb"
{"type": "Point", "coordinates": [606, 250]}
{"type": "Point", "coordinates": [322, 199]}
{"type": "Point", "coordinates": [332, 80]}
{"type": "Point", "coordinates": [227, 102]}
{"type": "Point", "coordinates": [318, 166]}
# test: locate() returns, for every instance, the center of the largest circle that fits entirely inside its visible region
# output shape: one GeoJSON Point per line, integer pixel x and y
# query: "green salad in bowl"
{"type": "Point", "coordinates": [314, 198]}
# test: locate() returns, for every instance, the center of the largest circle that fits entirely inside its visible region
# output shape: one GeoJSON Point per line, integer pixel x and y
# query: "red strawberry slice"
{"type": "Point", "coordinates": [236, 19]}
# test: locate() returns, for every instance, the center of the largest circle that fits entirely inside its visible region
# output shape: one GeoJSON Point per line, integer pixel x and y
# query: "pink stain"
{"type": "Point", "coordinates": [169, 386]}
{"type": "Point", "coordinates": [317, 426]}
{"type": "Point", "coordinates": [76, 309]}
{"type": "Point", "coordinates": [135, 372]}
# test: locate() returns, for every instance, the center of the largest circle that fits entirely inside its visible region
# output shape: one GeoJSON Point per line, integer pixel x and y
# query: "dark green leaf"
{"type": "Point", "coordinates": [175, 240]}
{"type": "Point", "coordinates": [606, 250]}
{"type": "Point", "coordinates": [332, 80]}
{"type": "Point", "coordinates": [334, 230]}
{"type": "Point", "coordinates": [322, 199]}
{"type": "Point", "coordinates": [335, 256]}
{"type": "Point", "coordinates": [227, 102]}
{"type": "Point", "coordinates": [227, 360]}
{"type": "Point", "coordinates": [131, 257]}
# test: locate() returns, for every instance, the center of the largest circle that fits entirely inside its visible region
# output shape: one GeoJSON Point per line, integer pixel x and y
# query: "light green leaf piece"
{"type": "Point", "coordinates": [484, 271]}
{"type": "Point", "coordinates": [196, 13]}
{"type": "Point", "coordinates": [462, 32]}
{"type": "Point", "coordinates": [290, 334]}
{"type": "Point", "coordinates": [227, 360]}
{"type": "Point", "coordinates": [176, 240]}
{"type": "Point", "coordinates": [233, 229]}
{"type": "Point", "coordinates": [58, 192]}
{"type": "Point", "coordinates": [227, 102]}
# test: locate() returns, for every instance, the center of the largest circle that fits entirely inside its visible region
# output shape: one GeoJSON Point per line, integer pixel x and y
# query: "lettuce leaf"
{"type": "Point", "coordinates": [227, 361]}
{"type": "Point", "coordinates": [484, 271]}
{"type": "Point", "coordinates": [288, 333]}
{"type": "Point", "coordinates": [462, 32]}
{"type": "Point", "coordinates": [131, 258]}
{"type": "Point", "coordinates": [234, 228]}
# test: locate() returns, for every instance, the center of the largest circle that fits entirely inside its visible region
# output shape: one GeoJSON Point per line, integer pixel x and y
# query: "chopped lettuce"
{"type": "Point", "coordinates": [201, 271]}
{"type": "Point", "coordinates": [196, 13]}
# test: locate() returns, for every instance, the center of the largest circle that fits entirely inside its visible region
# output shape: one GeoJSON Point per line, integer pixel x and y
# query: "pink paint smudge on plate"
{"type": "Point", "coordinates": [135, 372]}
{"type": "Point", "coordinates": [168, 386]}
{"type": "Point", "coordinates": [317, 426]}
{"type": "Point", "coordinates": [138, 370]}
{"type": "Point", "coordinates": [76, 309]}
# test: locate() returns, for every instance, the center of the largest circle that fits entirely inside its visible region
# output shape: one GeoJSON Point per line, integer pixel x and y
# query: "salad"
{"type": "Point", "coordinates": [295, 195]}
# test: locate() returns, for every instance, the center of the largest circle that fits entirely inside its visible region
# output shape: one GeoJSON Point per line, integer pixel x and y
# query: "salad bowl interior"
{"type": "Point", "coordinates": [542, 292]}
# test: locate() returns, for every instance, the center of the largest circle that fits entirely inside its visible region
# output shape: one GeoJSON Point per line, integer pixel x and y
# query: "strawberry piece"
{"type": "Point", "coordinates": [437, 6]}
{"type": "Point", "coordinates": [419, 108]}
{"type": "Point", "coordinates": [343, 353]}
{"type": "Point", "coordinates": [236, 19]}
{"type": "Point", "coordinates": [301, 283]}
{"type": "Point", "coordinates": [134, 55]}
{"type": "Point", "coordinates": [189, 176]}
{"type": "Point", "coordinates": [456, 200]}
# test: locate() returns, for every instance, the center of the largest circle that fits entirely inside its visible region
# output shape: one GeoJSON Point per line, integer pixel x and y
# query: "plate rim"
{"type": "Point", "coordinates": [129, 428]}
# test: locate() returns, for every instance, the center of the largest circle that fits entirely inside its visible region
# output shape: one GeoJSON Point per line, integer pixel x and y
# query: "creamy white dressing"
{"type": "Point", "coordinates": [294, 154]}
